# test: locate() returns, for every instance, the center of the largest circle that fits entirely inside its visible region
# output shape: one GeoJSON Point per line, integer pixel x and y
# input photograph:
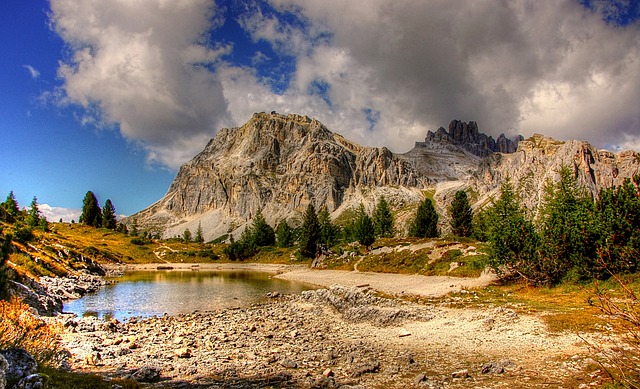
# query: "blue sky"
{"type": "Point", "coordinates": [113, 96]}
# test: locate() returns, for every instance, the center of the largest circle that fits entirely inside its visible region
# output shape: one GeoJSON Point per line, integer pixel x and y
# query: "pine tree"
{"type": "Point", "coordinates": [186, 236]}
{"type": "Point", "coordinates": [310, 233]}
{"type": "Point", "coordinates": [328, 231]}
{"type": "Point", "coordinates": [618, 215]}
{"type": "Point", "coordinates": [461, 215]}
{"type": "Point", "coordinates": [512, 238]}
{"type": "Point", "coordinates": [383, 219]}
{"type": "Point", "coordinates": [11, 205]}
{"type": "Point", "coordinates": [262, 234]}
{"type": "Point", "coordinates": [425, 223]}
{"type": "Point", "coordinates": [5, 250]}
{"type": "Point", "coordinates": [284, 234]}
{"type": "Point", "coordinates": [568, 230]}
{"type": "Point", "coordinates": [363, 228]}
{"type": "Point", "coordinates": [199, 238]}
{"type": "Point", "coordinates": [91, 213]}
{"type": "Point", "coordinates": [109, 215]}
{"type": "Point", "coordinates": [33, 216]}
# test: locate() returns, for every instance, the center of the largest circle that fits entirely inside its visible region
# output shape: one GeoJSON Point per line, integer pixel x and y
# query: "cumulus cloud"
{"type": "Point", "coordinates": [530, 66]}
{"type": "Point", "coordinates": [146, 67]}
{"type": "Point", "coordinates": [54, 214]}
{"type": "Point", "coordinates": [381, 72]}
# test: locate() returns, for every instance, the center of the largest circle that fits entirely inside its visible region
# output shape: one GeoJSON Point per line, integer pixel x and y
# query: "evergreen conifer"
{"type": "Point", "coordinates": [261, 233]}
{"type": "Point", "coordinates": [33, 216]}
{"type": "Point", "coordinates": [199, 238]}
{"type": "Point", "coordinates": [109, 215]}
{"type": "Point", "coordinates": [363, 228]}
{"type": "Point", "coordinates": [383, 219]}
{"type": "Point", "coordinates": [461, 215]}
{"type": "Point", "coordinates": [91, 212]}
{"type": "Point", "coordinates": [310, 233]}
{"type": "Point", "coordinates": [328, 231]}
{"type": "Point", "coordinates": [425, 223]}
{"type": "Point", "coordinates": [11, 205]}
{"type": "Point", "coordinates": [284, 234]}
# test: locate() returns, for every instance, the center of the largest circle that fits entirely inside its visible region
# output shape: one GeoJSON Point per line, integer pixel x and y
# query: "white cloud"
{"type": "Point", "coordinates": [551, 67]}
{"type": "Point", "coordinates": [381, 72]}
{"type": "Point", "coordinates": [54, 214]}
{"type": "Point", "coordinates": [145, 67]}
{"type": "Point", "coordinates": [32, 71]}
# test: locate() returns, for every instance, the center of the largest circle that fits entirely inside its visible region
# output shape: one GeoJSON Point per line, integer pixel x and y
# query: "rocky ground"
{"type": "Point", "coordinates": [339, 337]}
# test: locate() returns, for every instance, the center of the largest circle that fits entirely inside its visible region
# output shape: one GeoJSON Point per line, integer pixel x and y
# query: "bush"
{"type": "Point", "coordinates": [23, 234]}
{"type": "Point", "coordinates": [140, 241]}
{"type": "Point", "coordinates": [20, 328]}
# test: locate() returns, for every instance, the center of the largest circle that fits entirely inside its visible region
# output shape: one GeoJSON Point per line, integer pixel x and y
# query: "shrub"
{"type": "Point", "coordinates": [23, 234]}
{"type": "Point", "coordinates": [140, 241]}
{"type": "Point", "coordinates": [20, 328]}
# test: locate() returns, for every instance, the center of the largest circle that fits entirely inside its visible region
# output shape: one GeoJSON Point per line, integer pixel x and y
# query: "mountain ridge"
{"type": "Point", "coordinates": [278, 164]}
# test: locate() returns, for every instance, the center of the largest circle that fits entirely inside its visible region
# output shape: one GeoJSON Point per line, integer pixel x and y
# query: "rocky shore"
{"type": "Point", "coordinates": [339, 337]}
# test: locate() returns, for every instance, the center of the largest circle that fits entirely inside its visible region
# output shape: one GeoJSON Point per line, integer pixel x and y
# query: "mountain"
{"type": "Point", "coordinates": [538, 160]}
{"type": "Point", "coordinates": [277, 164]}
{"type": "Point", "coordinates": [468, 137]}
{"type": "Point", "coordinates": [280, 163]}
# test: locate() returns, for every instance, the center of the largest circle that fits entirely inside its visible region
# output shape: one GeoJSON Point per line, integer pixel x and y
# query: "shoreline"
{"type": "Point", "coordinates": [398, 285]}
{"type": "Point", "coordinates": [264, 267]}
{"type": "Point", "coordinates": [340, 336]}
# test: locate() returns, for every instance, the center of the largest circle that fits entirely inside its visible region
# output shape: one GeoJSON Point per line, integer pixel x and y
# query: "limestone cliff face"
{"type": "Point", "coordinates": [468, 137]}
{"type": "Point", "coordinates": [277, 164]}
{"type": "Point", "coordinates": [538, 161]}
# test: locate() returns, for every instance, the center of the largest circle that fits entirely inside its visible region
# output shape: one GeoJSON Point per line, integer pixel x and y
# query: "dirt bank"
{"type": "Point", "coordinates": [392, 284]}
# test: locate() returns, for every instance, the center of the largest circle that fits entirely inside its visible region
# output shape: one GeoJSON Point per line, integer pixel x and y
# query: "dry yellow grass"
{"type": "Point", "coordinates": [19, 327]}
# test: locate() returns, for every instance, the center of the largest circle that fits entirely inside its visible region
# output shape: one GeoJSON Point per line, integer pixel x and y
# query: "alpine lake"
{"type": "Point", "coordinates": [159, 292]}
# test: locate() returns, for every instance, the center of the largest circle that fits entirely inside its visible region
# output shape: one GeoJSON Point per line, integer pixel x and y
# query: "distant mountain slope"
{"type": "Point", "coordinates": [277, 164]}
{"type": "Point", "coordinates": [280, 163]}
{"type": "Point", "coordinates": [538, 160]}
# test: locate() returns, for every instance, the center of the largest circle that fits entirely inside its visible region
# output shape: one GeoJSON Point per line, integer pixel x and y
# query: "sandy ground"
{"type": "Point", "coordinates": [441, 339]}
{"type": "Point", "coordinates": [392, 284]}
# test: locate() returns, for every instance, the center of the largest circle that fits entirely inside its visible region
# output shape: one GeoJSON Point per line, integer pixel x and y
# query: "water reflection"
{"type": "Point", "coordinates": [154, 293]}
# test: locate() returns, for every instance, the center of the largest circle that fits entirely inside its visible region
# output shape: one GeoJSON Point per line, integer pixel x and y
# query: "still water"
{"type": "Point", "coordinates": [154, 293]}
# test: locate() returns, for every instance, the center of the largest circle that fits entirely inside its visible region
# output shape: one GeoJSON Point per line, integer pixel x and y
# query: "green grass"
{"type": "Point", "coordinates": [61, 379]}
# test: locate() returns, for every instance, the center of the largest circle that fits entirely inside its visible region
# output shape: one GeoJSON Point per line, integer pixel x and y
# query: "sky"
{"type": "Point", "coordinates": [114, 96]}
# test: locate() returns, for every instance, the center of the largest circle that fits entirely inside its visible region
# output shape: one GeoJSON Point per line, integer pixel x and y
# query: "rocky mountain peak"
{"type": "Point", "coordinates": [277, 164]}
{"type": "Point", "coordinates": [468, 137]}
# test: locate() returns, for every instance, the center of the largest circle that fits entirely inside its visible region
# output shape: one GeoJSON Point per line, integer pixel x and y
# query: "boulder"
{"type": "Point", "coordinates": [146, 373]}
{"type": "Point", "coordinates": [20, 364]}
{"type": "Point", "coordinates": [4, 365]}
{"type": "Point", "coordinates": [33, 381]}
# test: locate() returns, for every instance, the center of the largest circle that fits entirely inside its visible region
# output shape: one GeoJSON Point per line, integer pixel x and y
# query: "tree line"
{"type": "Point", "coordinates": [573, 236]}
{"type": "Point", "coordinates": [318, 233]}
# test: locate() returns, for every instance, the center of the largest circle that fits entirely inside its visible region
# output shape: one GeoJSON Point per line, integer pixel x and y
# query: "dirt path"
{"type": "Point", "coordinates": [393, 284]}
